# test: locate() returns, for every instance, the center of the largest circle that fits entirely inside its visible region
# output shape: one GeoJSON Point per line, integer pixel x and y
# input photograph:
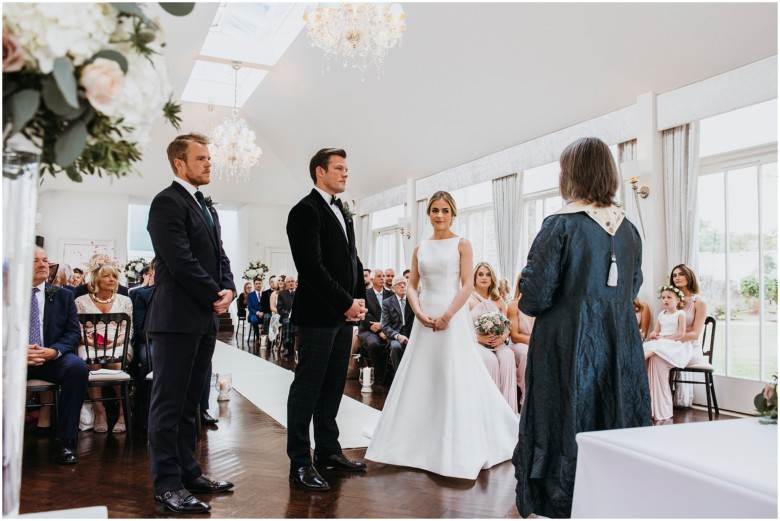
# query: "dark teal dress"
{"type": "Point", "coordinates": [586, 369]}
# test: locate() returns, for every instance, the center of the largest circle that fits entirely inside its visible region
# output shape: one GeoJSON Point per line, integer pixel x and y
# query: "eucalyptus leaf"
{"type": "Point", "coordinates": [70, 144]}
{"type": "Point", "coordinates": [112, 55]}
{"type": "Point", "coordinates": [66, 81]}
{"type": "Point", "coordinates": [178, 8]}
{"type": "Point", "coordinates": [9, 87]}
{"type": "Point", "coordinates": [23, 105]}
{"type": "Point", "coordinates": [73, 174]}
{"type": "Point", "coordinates": [52, 97]}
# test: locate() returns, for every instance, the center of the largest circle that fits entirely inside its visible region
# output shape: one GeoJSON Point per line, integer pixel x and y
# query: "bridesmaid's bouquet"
{"type": "Point", "coordinates": [492, 323]}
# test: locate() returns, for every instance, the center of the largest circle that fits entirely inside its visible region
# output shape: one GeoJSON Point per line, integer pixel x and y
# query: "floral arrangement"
{"type": "Point", "coordinates": [133, 269]}
{"type": "Point", "coordinates": [255, 268]}
{"type": "Point", "coordinates": [210, 203]}
{"type": "Point", "coordinates": [85, 82]}
{"type": "Point", "coordinates": [50, 292]}
{"type": "Point", "coordinates": [766, 401]}
{"type": "Point", "coordinates": [347, 212]}
{"type": "Point", "coordinates": [492, 323]}
{"type": "Point", "coordinates": [674, 289]}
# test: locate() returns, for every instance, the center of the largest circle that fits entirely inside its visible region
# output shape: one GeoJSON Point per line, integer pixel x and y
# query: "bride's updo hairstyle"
{"type": "Point", "coordinates": [588, 173]}
{"type": "Point", "coordinates": [441, 194]}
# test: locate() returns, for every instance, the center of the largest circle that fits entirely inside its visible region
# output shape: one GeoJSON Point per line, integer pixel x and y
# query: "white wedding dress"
{"type": "Point", "coordinates": [444, 413]}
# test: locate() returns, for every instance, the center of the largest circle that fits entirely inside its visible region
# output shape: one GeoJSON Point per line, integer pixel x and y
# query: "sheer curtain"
{"type": "Point", "coordinates": [423, 225]}
{"type": "Point", "coordinates": [365, 240]}
{"type": "Point", "coordinates": [507, 215]}
{"type": "Point", "coordinates": [681, 176]}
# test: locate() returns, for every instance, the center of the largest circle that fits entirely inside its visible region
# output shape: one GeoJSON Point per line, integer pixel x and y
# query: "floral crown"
{"type": "Point", "coordinates": [677, 291]}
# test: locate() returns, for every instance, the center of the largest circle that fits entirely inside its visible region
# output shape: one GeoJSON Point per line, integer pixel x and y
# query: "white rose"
{"type": "Point", "coordinates": [104, 82]}
{"type": "Point", "coordinates": [139, 266]}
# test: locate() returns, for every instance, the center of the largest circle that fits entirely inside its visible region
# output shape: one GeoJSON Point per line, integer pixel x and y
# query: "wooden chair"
{"type": "Point", "coordinates": [705, 368]}
{"type": "Point", "coordinates": [102, 359]}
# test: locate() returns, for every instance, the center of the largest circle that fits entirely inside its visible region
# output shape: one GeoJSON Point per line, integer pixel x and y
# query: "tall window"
{"type": "Point", "coordinates": [475, 221]}
{"type": "Point", "coordinates": [139, 244]}
{"type": "Point", "coordinates": [387, 242]}
{"type": "Point", "coordinates": [737, 200]}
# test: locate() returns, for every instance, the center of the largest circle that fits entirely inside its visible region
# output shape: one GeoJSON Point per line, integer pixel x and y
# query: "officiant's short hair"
{"type": "Point", "coordinates": [179, 146]}
{"type": "Point", "coordinates": [321, 159]}
{"type": "Point", "coordinates": [588, 173]}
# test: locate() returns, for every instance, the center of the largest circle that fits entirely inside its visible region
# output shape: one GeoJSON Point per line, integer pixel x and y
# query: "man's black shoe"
{"type": "Point", "coordinates": [207, 485]}
{"type": "Point", "coordinates": [180, 502]}
{"type": "Point", "coordinates": [207, 419]}
{"type": "Point", "coordinates": [338, 462]}
{"type": "Point", "coordinates": [307, 477]}
{"type": "Point", "coordinates": [65, 452]}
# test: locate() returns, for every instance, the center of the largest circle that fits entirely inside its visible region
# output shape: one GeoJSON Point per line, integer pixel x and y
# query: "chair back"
{"type": "Point", "coordinates": [101, 333]}
{"type": "Point", "coordinates": [708, 338]}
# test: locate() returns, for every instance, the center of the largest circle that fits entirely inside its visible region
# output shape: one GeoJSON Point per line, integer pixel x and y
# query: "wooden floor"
{"type": "Point", "coordinates": [248, 448]}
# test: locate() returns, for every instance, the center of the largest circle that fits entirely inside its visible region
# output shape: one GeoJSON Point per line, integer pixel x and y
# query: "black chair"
{"type": "Point", "coordinates": [106, 369]}
{"type": "Point", "coordinates": [676, 375]}
{"type": "Point", "coordinates": [34, 385]}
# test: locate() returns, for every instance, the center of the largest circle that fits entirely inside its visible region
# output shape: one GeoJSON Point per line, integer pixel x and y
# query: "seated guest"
{"type": "Point", "coordinates": [520, 326]}
{"type": "Point", "coordinates": [367, 278]}
{"type": "Point", "coordinates": [103, 298]}
{"type": "Point", "coordinates": [284, 303]}
{"type": "Point", "coordinates": [642, 311]}
{"type": "Point", "coordinates": [389, 276]}
{"type": "Point", "coordinates": [144, 276]}
{"type": "Point", "coordinates": [265, 303]}
{"type": "Point", "coordinates": [397, 320]}
{"type": "Point", "coordinates": [76, 278]}
{"type": "Point", "coordinates": [63, 276]}
{"type": "Point", "coordinates": [370, 328]}
{"type": "Point", "coordinates": [493, 350]}
{"type": "Point", "coordinates": [51, 355]}
{"type": "Point", "coordinates": [503, 290]}
{"type": "Point", "coordinates": [406, 273]}
{"type": "Point", "coordinates": [241, 304]}
{"type": "Point", "coordinates": [83, 289]}
{"type": "Point", "coordinates": [140, 298]}
{"type": "Point", "coordinates": [253, 301]}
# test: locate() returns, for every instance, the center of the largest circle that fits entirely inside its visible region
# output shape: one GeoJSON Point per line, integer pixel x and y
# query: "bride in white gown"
{"type": "Point", "coordinates": [444, 413]}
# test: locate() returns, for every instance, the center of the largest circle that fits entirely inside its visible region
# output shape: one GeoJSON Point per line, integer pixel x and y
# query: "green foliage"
{"type": "Point", "coordinates": [748, 287]}
{"type": "Point", "coordinates": [770, 291]}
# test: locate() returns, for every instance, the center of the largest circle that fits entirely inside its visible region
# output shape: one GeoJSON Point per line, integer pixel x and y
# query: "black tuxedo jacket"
{"type": "Point", "coordinates": [61, 329]}
{"type": "Point", "coordinates": [374, 313]}
{"type": "Point", "coordinates": [284, 302]}
{"type": "Point", "coordinates": [391, 318]}
{"type": "Point", "coordinates": [265, 300]}
{"type": "Point", "coordinates": [191, 266]}
{"type": "Point", "coordinates": [330, 274]}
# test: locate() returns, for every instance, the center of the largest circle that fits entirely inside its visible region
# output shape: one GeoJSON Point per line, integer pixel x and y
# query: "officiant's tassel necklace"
{"type": "Point", "coordinates": [613, 272]}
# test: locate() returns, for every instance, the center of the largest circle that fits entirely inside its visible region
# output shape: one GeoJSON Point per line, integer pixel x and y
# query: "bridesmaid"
{"type": "Point", "coordinates": [520, 336]}
{"type": "Point", "coordinates": [643, 317]}
{"type": "Point", "coordinates": [498, 358]}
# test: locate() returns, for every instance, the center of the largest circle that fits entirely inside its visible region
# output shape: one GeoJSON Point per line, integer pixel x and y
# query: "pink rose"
{"type": "Point", "coordinates": [103, 81]}
{"type": "Point", "coordinates": [12, 58]}
{"type": "Point", "coordinates": [769, 391]}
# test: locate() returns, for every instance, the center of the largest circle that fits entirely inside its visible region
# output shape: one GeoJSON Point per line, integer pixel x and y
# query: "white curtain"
{"type": "Point", "coordinates": [423, 225]}
{"type": "Point", "coordinates": [628, 168]}
{"type": "Point", "coordinates": [365, 240]}
{"type": "Point", "coordinates": [681, 176]}
{"type": "Point", "coordinates": [507, 215]}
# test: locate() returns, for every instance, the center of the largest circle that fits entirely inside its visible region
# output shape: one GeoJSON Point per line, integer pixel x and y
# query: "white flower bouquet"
{"type": "Point", "coordinates": [85, 82]}
{"type": "Point", "coordinates": [133, 269]}
{"type": "Point", "coordinates": [255, 268]}
{"type": "Point", "coordinates": [492, 323]}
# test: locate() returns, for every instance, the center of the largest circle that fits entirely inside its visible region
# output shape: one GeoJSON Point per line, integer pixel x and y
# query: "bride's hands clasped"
{"type": "Point", "coordinates": [426, 320]}
{"type": "Point", "coordinates": [440, 324]}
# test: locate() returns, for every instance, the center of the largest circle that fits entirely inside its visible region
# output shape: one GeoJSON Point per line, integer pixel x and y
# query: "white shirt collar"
{"type": "Point", "coordinates": [325, 195]}
{"type": "Point", "coordinates": [187, 186]}
{"type": "Point", "coordinates": [41, 287]}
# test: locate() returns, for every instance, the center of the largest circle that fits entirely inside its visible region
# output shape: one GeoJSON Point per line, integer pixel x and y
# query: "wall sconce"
{"type": "Point", "coordinates": [639, 191]}
{"type": "Point", "coordinates": [405, 228]}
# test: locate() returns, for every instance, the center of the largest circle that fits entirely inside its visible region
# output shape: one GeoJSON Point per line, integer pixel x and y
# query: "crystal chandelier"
{"type": "Point", "coordinates": [356, 34]}
{"type": "Point", "coordinates": [233, 149]}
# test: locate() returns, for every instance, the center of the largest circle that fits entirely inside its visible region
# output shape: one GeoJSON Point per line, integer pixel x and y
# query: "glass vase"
{"type": "Point", "coordinates": [20, 203]}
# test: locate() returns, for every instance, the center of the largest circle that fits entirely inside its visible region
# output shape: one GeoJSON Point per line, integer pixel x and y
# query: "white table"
{"type": "Point", "coordinates": [720, 469]}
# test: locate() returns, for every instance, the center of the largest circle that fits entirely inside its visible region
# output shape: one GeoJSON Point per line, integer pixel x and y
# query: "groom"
{"type": "Point", "coordinates": [329, 300]}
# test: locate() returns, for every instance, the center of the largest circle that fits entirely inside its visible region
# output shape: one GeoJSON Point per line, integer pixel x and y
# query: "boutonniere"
{"type": "Point", "coordinates": [347, 212]}
{"type": "Point", "coordinates": [50, 292]}
{"type": "Point", "coordinates": [210, 202]}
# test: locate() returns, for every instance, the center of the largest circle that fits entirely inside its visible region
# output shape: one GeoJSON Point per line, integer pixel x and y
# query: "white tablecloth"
{"type": "Point", "coordinates": [720, 469]}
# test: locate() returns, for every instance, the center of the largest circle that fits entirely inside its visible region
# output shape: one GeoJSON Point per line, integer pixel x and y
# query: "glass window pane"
{"type": "Point", "coordinates": [744, 341]}
{"type": "Point", "coordinates": [769, 239]}
{"type": "Point", "coordinates": [742, 128]}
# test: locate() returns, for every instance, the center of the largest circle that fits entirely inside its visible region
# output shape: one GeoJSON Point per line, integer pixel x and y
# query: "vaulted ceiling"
{"type": "Point", "coordinates": [469, 79]}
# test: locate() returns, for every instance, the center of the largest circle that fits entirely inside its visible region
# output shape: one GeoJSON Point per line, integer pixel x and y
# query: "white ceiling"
{"type": "Point", "coordinates": [469, 80]}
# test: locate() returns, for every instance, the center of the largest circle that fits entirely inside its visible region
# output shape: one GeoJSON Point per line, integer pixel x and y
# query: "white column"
{"type": "Point", "coordinates": [410, 217]}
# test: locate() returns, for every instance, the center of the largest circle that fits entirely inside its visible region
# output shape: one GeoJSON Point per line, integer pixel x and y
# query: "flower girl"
{"type": "Point", "coordinates": [664, 339]}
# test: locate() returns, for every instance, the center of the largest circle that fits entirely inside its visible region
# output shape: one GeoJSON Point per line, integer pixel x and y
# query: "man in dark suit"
{"type": "Point", "coordinates": [52, 353]}
{"type": "Point", "coordinates": [265, 303]}
{"type": "Point", "coordinates": [284, 305]}
{"type": "Point", "coordinates": [253, 307]}
{"type": "Point", "coordinates": [397, 320]}
{"type": "Point", "coordinates": [329, 299]}
{"type": "Point", "coordinates": [193, 286]}
{"type": "Point", "coordinates": [389, 276]}
{"type": "Point", "coordinates": [370, 328]}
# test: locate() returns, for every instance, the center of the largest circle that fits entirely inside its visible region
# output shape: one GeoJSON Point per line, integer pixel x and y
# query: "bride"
{"type": "Point", "coordinates": [443, 414]}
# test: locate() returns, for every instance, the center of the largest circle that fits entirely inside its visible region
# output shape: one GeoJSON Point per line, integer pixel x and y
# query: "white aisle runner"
{"type": "Point", "coordinates": [266, 385]}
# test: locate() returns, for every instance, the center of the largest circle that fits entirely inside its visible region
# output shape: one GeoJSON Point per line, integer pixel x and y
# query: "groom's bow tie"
{"type": "Point", "coordinates": [335, 200]}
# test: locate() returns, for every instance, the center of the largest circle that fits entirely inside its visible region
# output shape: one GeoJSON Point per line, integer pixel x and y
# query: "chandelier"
{"type": "Point", "coordinates": [233, 149]}
{"type": "Point", "coordinates": [356, 34]}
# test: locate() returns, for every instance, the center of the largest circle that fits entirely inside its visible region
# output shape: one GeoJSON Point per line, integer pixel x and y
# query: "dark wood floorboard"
{"type": "Point", "coordinates": [248, 448]}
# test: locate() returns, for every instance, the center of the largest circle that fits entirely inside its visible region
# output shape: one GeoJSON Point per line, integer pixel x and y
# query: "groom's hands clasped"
{"type": "Point", "coordinates": [357, 311]}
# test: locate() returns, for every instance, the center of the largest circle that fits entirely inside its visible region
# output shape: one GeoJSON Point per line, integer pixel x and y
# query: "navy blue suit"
{"type": "Point", "coordinates": [253, 306]}
{"type": "Point", "coordinates": [140, 298]}
{"type": "Point", "coordinates": [61, 331]}
{"type": "Point", "coordinates": [190, 271]}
